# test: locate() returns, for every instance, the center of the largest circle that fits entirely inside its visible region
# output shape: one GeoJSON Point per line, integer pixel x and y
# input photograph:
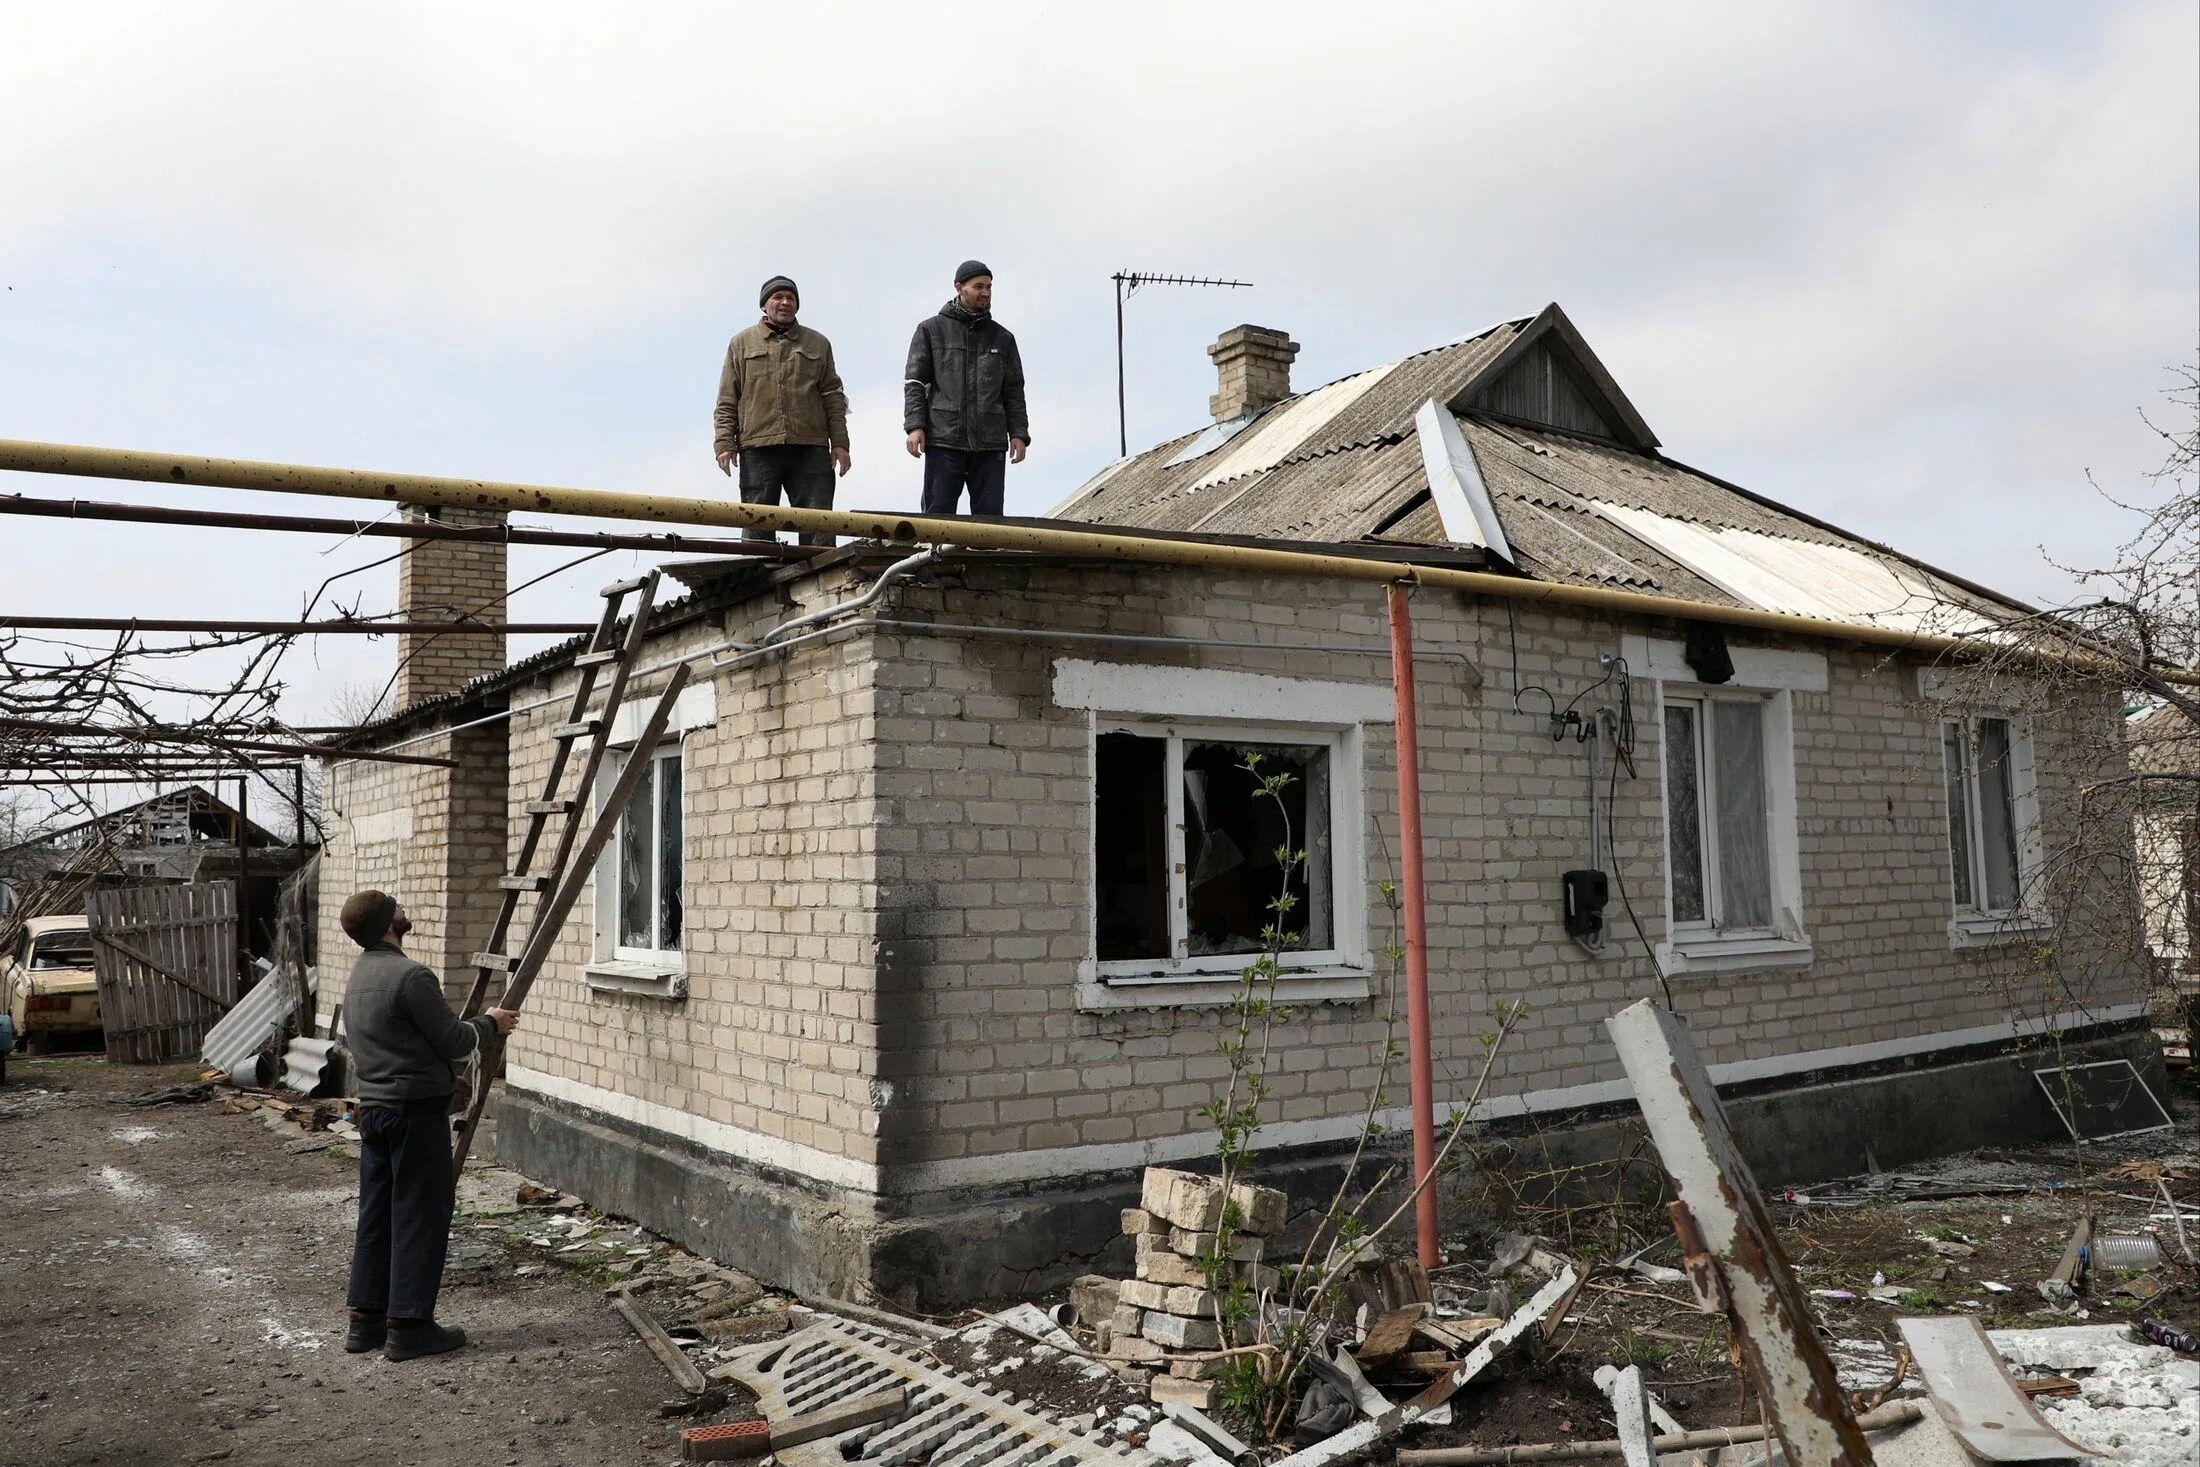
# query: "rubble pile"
{"type": "Point", "coordinates": [1167, 1318]}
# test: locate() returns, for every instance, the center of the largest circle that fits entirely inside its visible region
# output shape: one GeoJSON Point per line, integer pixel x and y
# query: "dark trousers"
{"type": "Point", "coordinates": [947, 470]}
{"type": "Point", "coordinates": [405, 1199]}
{"type": "Point", "coordinates": [801, 471]}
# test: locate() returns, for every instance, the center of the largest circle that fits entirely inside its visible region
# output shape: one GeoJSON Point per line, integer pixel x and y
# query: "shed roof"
{"type": "Point", "coordinates": [1556, 454]}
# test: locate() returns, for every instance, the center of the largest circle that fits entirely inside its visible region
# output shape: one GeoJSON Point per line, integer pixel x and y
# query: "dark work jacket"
{"type": "Point", "coordinates": [402, 1035]}
{"type": "Point", "coordinates": [964, 385]}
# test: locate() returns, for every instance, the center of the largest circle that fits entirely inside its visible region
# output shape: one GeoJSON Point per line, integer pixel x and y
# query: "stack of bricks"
{"type": "Point", "coordinates": [1165, 1319]}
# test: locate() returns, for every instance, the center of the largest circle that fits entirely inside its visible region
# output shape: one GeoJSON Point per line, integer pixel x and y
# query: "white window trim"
{"type": "Point", "coordinates": [1774, 676]}
{"type": "Point", "coordinates": [613, 967]}
{"type": "Point", "coordinates": [1974, 926]}
{"type": "Point", "coordinates": [1223, 706]}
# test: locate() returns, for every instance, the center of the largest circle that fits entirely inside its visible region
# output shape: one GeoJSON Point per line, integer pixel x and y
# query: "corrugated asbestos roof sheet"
{"type": "Point", "coordinates": [1343, 463]}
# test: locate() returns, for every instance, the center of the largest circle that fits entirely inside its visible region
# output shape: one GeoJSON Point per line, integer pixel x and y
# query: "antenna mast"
{"type": "Point", "coordinates": [1126, 285]}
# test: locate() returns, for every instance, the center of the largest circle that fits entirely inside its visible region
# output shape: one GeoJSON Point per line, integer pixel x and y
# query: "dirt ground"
{"type": "Point", "coordinates": [171, 1281]}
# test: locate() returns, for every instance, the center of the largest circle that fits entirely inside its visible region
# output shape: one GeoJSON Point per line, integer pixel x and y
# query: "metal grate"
{"type": "Point", "coordinates": [952, 1421]}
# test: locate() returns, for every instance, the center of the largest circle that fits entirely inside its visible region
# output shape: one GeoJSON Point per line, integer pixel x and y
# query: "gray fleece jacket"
{"type": "Point", "coordinates": [403, 1036]}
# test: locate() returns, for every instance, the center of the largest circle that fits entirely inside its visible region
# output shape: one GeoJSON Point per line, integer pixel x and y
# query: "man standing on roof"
{"type": "Point", "coordinates": [781, 410]}
{"type": "Point", "coordinates": [404, 1040]}
{"type": "Point", "coordinates": [963, 398]}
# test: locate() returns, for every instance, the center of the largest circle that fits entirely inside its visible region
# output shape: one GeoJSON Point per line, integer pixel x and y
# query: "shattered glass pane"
{"type": "Point", "coordinates": [1683, 824]}
{"type": "Point", "coordinates": [1233, 836]}
{"type": "Point", "coordinates": [1959, 809]}
{"type": "Point", "coordinates": [637, 898]}
{"type": "Point", "coordinates": [669, 884]}
{"type": "Point", "coordinates": [1745, 866]}
{"type": "Point", "coordinates": [1997, 809]}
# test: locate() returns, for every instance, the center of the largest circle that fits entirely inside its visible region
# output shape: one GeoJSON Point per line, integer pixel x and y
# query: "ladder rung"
{"type": "Point", "coordinates": [501, 962]}
{"type": "Point", "coordinates": [549, 807]}
{"type": "Point", "coordinates": [598, 659]}
{"type": "Point", "coordinates": [523, 883]}
{"type": "Point", "coordinates": [620, 588]}
{"type": "Point", "coordinates": [581, 730]}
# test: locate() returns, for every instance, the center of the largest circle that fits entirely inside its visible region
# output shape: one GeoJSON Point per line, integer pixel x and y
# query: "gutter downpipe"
{"type": "Point", "coordinates": [1414, 896]}
{"type": "Point", "coordinates": [1087, 541]}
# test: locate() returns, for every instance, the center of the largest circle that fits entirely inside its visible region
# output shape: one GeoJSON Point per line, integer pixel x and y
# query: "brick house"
{"type": "Point", "coordinates": [910, 952]}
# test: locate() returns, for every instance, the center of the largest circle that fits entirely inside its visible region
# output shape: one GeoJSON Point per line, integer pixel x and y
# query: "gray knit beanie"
{"type": "Point", "coordinates": [777, 282]}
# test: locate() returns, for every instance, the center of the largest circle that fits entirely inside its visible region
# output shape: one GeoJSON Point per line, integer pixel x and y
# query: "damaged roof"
{"type": "Point", "coordinates": [1518, 441]}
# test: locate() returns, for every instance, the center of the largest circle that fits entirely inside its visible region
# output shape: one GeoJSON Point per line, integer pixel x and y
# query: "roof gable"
{"type": "Point", "coordinates": [1549, 377]}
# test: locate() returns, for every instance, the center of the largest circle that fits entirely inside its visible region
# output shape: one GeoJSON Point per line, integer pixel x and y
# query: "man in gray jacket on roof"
{"type": "Point", "coordinates": [404, 1041]}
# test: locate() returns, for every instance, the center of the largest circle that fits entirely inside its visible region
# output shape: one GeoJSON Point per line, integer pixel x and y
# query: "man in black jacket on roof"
{"type": "Point", "coordinates": [404, 1040]}
{"type": "Point", "coordinates": [963, 398]}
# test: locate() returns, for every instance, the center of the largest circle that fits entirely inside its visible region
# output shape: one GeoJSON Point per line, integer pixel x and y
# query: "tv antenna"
{"type": "Point", "coordinates": [1126, 286]}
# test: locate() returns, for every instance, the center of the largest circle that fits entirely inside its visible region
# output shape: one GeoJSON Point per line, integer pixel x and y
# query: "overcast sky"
{"type": "Point", "coordinates": [1912, 267]}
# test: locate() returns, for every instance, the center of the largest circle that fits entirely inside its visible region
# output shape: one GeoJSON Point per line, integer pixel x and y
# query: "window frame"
{"type": "Point", "coordinates": [1973, 924]}
{"type": "Point", "coordinates": [1340, 972]}
{"type": "Point", "coordinates": [1771, 678]}
{"type": "Point", "coordinates": [616, 966]}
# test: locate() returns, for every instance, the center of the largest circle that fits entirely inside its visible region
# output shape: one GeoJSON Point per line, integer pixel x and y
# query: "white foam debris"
{"type": "Point", "coordinates": [138, 1135]}
{"type": "Point", "coordinates": [123, 1185]}
{"type": "Point", "coordinates": [287, 1337]}
{"type": "Point", "coordinates": [2137, 1403]}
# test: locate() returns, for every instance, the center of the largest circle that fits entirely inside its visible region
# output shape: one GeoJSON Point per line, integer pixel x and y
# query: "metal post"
{"type": "Point", "coordinates": [244, 879]}
{"type": "Point", "coordinates": [1413, 894]}
{"type": "Point", "coordinates": [1122, 420]}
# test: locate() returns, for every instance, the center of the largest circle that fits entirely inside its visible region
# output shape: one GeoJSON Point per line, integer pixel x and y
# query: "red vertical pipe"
{"type": "Point", "coordinates": [1416, 917]}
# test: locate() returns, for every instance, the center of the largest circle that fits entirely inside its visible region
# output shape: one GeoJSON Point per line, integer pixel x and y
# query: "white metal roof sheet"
{"type": "Point", "coordinates": [1801, 578]}
{"type": "Point", "coordinates": [1279, 434]}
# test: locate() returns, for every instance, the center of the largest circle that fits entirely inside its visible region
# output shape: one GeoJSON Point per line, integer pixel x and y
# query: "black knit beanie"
{"type": "Point", "coordinates": [970, 268]}
{"type": "Point", "coordinates": [366, 916]}
{"type": "Point", "coordinates": [777, 282]}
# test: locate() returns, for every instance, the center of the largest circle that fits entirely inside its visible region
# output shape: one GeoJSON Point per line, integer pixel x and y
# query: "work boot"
{"type": "Point", "coordinates": [365, 1332]}
{"type": "Point", "coordinates": [409, 1339]}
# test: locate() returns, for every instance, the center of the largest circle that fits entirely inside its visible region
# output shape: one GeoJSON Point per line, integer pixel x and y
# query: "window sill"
{"type": "Point", "coordinates": [1997, 929]}
{"type": "Point", "coordinates": [1733, 953]}
{"type": "Point", "coordinates": [665, 978]}
{"type": "Point", "coordinates": [1099, 991]}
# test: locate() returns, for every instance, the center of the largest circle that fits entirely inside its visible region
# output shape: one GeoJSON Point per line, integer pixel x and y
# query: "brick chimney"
{"type": "Point", "coordinates": [448, 580]}
{"type": "Point", "coordinates": [1253, 370]}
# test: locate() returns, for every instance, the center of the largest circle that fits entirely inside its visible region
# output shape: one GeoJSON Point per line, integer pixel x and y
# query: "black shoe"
{"type": "Point", "coordinates": [364, 1333]}
{"type": "Point", "coordinates": [409, 1341]}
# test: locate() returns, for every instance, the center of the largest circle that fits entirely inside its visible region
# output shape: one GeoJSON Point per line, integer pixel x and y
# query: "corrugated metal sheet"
{"type": "Point", "coordinates": [250, 1026]}
{"type": "Point", "coordinates": [305, 1063]}
{"type": "Point", "coordinates": [1283, 430]}
{"type": "Point", "coordinates": [1775, 573]}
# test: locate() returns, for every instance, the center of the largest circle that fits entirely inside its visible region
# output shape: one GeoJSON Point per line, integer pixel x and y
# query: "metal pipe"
{"type": "Point", "coordinates": [1414, 896]}
{"type": "Point", "coordinates": [1086, 541]}
{"type": "Point", "coordinates": [290, 628]}
{"type": "Point", "coordinates": [187, 736]}
{"type": "Point", "coordinates": [904, 567]}
{"type": "Point", "coordinates": [157, 514]}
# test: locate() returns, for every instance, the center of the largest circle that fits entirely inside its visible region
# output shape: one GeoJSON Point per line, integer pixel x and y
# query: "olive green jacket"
{"type": "Point", "coordinates": [780, 387]}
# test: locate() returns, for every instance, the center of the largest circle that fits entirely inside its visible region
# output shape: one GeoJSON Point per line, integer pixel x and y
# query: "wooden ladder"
{"type": "Point", "coordinates": [559, 883]}
{"type": "Point", "coordinates": [604, 650]}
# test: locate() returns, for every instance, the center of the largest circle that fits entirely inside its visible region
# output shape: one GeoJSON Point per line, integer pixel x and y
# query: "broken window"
{"type": "Point", "coordinates": [1980, 755]}
{"type": "Point", "coordinates": [62, 950]}
{"type": "Point", "coordinates": [1189, 851]}
{"type": "Point", "coordinates": [647, 866]}
{"type": "Point", "coordinates": [1717, 795]}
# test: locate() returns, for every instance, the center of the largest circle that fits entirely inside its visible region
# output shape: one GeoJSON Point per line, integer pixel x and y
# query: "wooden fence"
{"type": "Point", "coordinates": [167, 963]}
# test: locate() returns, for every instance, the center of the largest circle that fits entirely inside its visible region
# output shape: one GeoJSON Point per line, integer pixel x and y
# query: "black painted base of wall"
{"type": "Point", "coordinates": [943, 1252]}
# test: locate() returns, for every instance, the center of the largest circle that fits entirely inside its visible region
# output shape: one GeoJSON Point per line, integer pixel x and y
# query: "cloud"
{"type": "Point", "coordinates": [1909, 267]}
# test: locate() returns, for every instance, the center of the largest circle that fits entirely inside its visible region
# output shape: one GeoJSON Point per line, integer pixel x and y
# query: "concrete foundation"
{"type": "Point", "coordinates": [946, 1250]}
